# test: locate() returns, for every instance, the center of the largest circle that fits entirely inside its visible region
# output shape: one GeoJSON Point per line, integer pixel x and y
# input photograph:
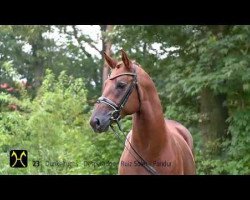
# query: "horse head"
{"type": "Point", "coordinates": [120, 96]}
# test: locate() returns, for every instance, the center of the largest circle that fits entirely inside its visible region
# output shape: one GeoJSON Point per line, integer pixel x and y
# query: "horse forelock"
{"type": "Point", "coordinates": [121, 62]}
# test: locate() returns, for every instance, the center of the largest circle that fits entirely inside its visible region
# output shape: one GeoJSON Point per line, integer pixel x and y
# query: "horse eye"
{"type": "Point", "coordinates": [120, 85]}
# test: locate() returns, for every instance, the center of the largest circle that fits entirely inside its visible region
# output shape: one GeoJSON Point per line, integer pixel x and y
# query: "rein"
{"type": "Point", "coordinates": [142, 161]}
{"type": "Point", "coordinates": [116, 116]}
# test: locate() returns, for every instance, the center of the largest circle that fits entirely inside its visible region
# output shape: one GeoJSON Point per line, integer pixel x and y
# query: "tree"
{"type": "Point", "coordinates": [201, 76]}
{"type": "Point", "coordinates": [213, 108]}
{"type": "Point", "coordinates": [32, 49]}
{"type": "Point", "coordinates": [106, 47]}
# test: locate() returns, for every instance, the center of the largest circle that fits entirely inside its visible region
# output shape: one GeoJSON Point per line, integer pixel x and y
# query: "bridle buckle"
{"type": "Point", "coordinates": [115, 116]}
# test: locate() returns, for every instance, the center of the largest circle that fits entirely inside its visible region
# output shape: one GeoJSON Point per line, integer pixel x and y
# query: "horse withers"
{"type": "Point", "coordinates": [155, 145]}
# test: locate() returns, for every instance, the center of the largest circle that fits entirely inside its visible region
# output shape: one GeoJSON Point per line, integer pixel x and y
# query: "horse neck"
{"type": "Point", "coordinates": [149, 129]}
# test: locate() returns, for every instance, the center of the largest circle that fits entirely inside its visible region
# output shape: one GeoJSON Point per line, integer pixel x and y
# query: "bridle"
{"type": "Point", "coordinates": [116, 115]}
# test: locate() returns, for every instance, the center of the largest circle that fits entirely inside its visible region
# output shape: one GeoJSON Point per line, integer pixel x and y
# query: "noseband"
{"type": "Point", "coordinates": [116, 114]}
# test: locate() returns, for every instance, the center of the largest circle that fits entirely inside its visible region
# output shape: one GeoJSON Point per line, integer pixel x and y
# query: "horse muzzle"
{"type": "Point", "coordinates": [100, 123]}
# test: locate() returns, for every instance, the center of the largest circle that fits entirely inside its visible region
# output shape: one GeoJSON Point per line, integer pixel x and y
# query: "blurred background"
{"type": "Point", "coordinates": [51, 76]}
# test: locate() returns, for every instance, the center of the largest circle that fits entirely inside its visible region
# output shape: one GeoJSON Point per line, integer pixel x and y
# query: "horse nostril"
{"type": "Point", "coordinates": [97, 121]}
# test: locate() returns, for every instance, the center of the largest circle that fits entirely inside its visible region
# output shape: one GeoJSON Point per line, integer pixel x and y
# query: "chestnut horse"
{"type": "Point", "coordinates": [154, 145]}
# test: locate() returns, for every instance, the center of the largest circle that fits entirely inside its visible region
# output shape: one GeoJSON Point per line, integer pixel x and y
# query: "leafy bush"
{"type": "Point", "coordinates": [235, 157]}
{"type": "Point", "coordinates": [55, 131]}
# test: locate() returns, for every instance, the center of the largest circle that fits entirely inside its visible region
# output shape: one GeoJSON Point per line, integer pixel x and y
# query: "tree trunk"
{"type": "Point", "coordinates": [214, 111]}
{"type": "Point", "coordinates": [38, 74]}
{"type": "Point", "coordinates": [106, 47]}
{"type": "Point", "coordinates": [213, 116]}
{"type": "Point", "coordinates": [38, 64]}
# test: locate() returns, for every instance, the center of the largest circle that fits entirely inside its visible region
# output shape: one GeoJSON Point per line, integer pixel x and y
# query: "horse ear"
{"type": "Point", "coordinates": [127, 62]}
{"type": "Point", "coordinates": [111, 62]}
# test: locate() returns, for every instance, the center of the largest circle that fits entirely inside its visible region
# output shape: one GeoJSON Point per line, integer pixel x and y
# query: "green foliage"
{"type": "Point", "coordinates": [182, 61]}
{"type": "Point", "coordinates": [31, 49]}
{"type": "Point", "coordinates": [56, 132]}
{"type": "Point", "coordinates": [187, 60]}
